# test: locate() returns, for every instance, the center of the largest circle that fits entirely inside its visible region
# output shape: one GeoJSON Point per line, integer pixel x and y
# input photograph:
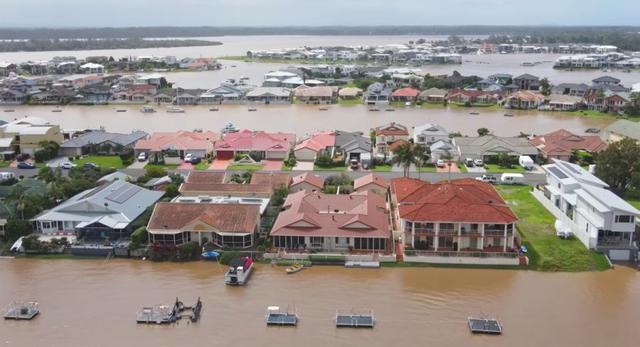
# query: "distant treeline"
{"type": "Point", "coordinates": [36, 45]}
{"type": "Point", "coordinates": [625, 40]}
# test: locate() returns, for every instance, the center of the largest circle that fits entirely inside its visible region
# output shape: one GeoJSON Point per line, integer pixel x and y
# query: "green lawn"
{"type": "Point", "coordinates": [4, 163]}
{"type": "Point", "coordinates": [462, 168]}
{"type": "Point", "coordinates": [111, 161]}
{"type": "Point", "coordinates": [203, 165]}
{"type": "Point", "coordinates": [633, 198]}
{"type": "Point", "coordinates": [251, 167]}
{"type": "Point", "coordinates": [547, 252]}
{"type": "Point", "coordinates": [164, 166]}
{"type": "Point", "coordinates": [427, 169]}
{"type": "Point", "coordinates": [286, 167]}
{"type": "Point", "coordinates": [382, 168]}
{"type": "Point", "coordinates": [350, 102]}
{"type": "Point", "coordinates": [337, 168]}
{"type": "Point", "coordinates": [494, 168]}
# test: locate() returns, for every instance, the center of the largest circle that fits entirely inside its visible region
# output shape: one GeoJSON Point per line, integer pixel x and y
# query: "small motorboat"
{"type": "Point", "coordinates": [592, 131]}
{"type": "Point", "coordinates": [508, 115]}
{"type": "Point", "coordinates": [294, 268]}
{"type": "Point", "coordinates": [239, 271]}
{"type": "Point", "coordinates": [390, 109]}
{"type": "Point", "coordinates": [229, 128]}
{"type": "Point", "coordinates": [474, 113]}
{"type": "Point", "coordinates": [22, 310]}
{"type": "Point", "coordinates": [56, 110]}
{"type": "Point", "coordinates": [175, 109]}
{"type": "Point", "coordinates": [215, 109]}
{"type": "Point", "coordinates": [121, 110]}
{"type": "Point", "coordinates": [323, 109]}
{"type": "Point", "coordinates": [147, 109]}
{"type": "Point", "coordinates": [374, 109]}
{"type": "Point", "coordinates": [10, 110]}
{"type": "Point", "coordinates": [252, 109]}
{"type": "Point", "coordinates": [210, 255]}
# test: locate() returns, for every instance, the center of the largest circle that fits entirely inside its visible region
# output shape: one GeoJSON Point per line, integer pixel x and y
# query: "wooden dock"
{"type": "Point", "coordinates": [351, 320]}
{"type": "Point", "coordinates": [485, 326]}
{"type": "Point", "coordinates": [22, 311]}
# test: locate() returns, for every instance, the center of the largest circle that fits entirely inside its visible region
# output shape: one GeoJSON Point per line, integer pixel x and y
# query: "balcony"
{"type": "Point", "coordinates": [448, 232]}
{"type": "Point", "coordinates": [494, 232]}
{"type": "Point", "coordinates": [425, 231]}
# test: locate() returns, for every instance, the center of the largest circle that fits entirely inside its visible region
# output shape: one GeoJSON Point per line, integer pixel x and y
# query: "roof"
{"type": "Point", "coordinates": [114, 205]}
{"type": "Point", "coordinates": [225, 218]}
{"type": "Point", "coordinates": [323, 91]}
{"type": "Point", "coordinates": [361, 214]}
{"type": "Point", "coordinates": [370, 179]}
{"type": "Point", "coordinates": [27, 126]}
{"type": "Point", "coordinates": [99, 137]}
{"type": "Point", "coordinates": [606, 79]}
{"type": "Point", "coordinates": [117, 175]}
{"type": "Point", "coordinates": [179, 140]}
{"type": "Point", "coordinates": [527, 95]}
{"type": "Point", "coordinates": [205, 177]}
{"type": "Point", "coordinates": [406, 92]}
{"type": "Point", "coordinates": [269, 91]}
{"type": "Point", "coordinates": [392, 128]}
{"type": "Point", "coordinates": [625, 128]}
{"type": "Point", "coordinates": [213, 183]}
{"type": "Point", "coordinates": [247, 140]}
{"type": "Point", "coordinates": [349, 141]}
{"type": "Point", "coordinates": [458, 201]}
{"type": "Point", "coordinates": [430, 130]}
{"type": "Point", "coordinates": [569, 173]}
{"type": "Point", "coordinates": [349, 91]}
{"type": "Point", "coordinates": [526, 76]}
{"type": "Point", "coordinates": [318, 141]}
{"type": "Point", "coordinates": [566, 142]}
{"type": "Point", "coordinates": [309, 178]}
{"type": "Point", "coordinates": [272, 179]}
{"type": "Point", "coordinates": [605, 200]}
{"type": "Point", "coordinates": [490, 145]}
{"type": "Point", "coordinates": [434, 92]}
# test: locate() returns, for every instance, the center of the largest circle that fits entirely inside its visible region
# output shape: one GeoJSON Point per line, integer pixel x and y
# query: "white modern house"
{"type": "Point", "coordinates": [583, 205]}
{"type": "Point", "coordinates": [429, 134]}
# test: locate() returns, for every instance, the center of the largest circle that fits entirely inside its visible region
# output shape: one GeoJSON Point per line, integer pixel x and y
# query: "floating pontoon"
{"type": "Point", "coordinates": [22, 310]}
{"type": "Point", "coordinates": [484, 325]}
{"type": "Point", "coordinates": [355, 320]}
{"type": "Point", "coordinates": [275, 316]}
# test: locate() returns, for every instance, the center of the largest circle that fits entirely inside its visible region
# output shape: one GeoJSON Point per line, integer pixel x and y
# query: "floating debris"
{"type": "Point", "coordinates": [22, 310]}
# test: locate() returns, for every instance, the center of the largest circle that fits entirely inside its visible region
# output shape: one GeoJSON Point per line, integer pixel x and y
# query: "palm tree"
{"type": "Point", "coordinates": [404, 156]}
{"type": "Point", "coordinates": [421, 155]}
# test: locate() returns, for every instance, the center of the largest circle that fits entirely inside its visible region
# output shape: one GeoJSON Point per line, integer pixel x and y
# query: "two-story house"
{"type": "Point", "coordinates": [388, 134]}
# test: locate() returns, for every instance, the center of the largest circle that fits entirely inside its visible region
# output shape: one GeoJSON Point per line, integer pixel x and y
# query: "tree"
{"type": "Point", "coordinates": [545, 86]}
{"type": "Point", "coordinates": [619, 165]}
{"type": "Point", "coordinates": [171, 190]}
{"type": "Point", "coordinates": [279, 195]}
{"type": "Point", "coordinates": [404, 156]}
{"type": "Point", "coordinates": [483, 132]}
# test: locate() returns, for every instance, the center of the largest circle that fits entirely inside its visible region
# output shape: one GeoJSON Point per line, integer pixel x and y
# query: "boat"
{"type": "Point", "coordinates": [229, 128]}
{"type": "Point", "coordinates": [214, 109]}
{"type": "Point", "coordinates": [210, 255]}
{"type": "Point", "coordinates": [57, 109]}
{"type": "Point", "coordinates": [147, 109]}
{"type": "Point", "coordinates": [592, 131]}
{"type": "Point", "coordinates": [22, 310]}
{"type": "Point", "coordinates": [296, 267]}
{"type": "Point", "coordinates": [121, 110]}
{"type": "Point", "coordinates": [508, 115]}
{"type": "Point", "coordinates": [323, 109]}
{"type": "Point", "coordinates": [164, 314]}
{"type": "Point", "coordinates": [252, 109]}
{"type": "Point", "coordinates": [374, 109]}
{"type": "Point", "coordinates": [355, 320]}
{"type": "Point", "coordinates": [474, 113]}
{"type": "Point", "coordinates": [175, 109]}
{"type": "Point", "coordinates": [390, 109]}
{"type": "Point", "coordinates": [239, 271]}
{"type": "Point", "coordinates": [9, 110]}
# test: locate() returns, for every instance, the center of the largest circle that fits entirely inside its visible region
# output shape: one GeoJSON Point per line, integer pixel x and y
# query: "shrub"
{"type": "Point", "coordinates": [227, 256]}
{"type": "Point", "coordinates": [188, 251]}
{"type": "Point", "coordinates": [155, 172]}
{"type": "Point", "coordinates": [162, 252]}
{"type": "Point", "coordinates": [140, 235]}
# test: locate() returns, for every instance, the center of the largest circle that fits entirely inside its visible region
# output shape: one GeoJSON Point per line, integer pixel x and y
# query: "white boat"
{"type": "Point", "coordinates": [147, 109]}
{"type": "Point", "coordinates": [121, 110]}
{"type": "Point", "coordinates": [175, 109]}
{"type": "Point", "coordinates": [229, 128]}
{"type": "Point", "coordinates": [239, 271]}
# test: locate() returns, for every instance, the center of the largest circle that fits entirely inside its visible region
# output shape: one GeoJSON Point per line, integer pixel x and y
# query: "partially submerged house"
{"type": "Point", "coordinates": [562, 144]}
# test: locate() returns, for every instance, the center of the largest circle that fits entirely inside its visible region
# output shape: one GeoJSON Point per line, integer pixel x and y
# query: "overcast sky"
{"type": "Point", "coordinates": [93, 13]}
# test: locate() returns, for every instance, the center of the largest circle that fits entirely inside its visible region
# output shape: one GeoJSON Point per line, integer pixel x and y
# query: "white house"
{"type": "Point", "coordinates": [583, 205]}
{"type": "Point", "coordinates": [430, 133]}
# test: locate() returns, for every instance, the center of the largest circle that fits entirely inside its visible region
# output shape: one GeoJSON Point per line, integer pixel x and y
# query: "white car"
{"type": "Point", "coordinates": [142, 156]}
{"type": "Point", "coordinates": [478, 162]}
{"type": "Point", "coordinates": [440, 163]}
{"type": "Point", "coordinates": [188, 157]}
{"type": "Point", "coordinates": [67, 165]}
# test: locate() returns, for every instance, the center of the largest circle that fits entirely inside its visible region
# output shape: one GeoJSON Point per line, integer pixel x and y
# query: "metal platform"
{"type": "Point", "coordinates": [355, 320]}
{"type": "Point", "coordinates": [22, 311]}
{"type": "Point", "coordinates": [362, 264]}
{"type": "Point", "coordinates": [485, 325]}
{"type": "Point", "coordinates": [283, 318]}
{"type": "Point", "coordinates": [161, 314]}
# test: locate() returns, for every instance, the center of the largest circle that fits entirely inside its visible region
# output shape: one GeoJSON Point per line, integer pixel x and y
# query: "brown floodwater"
{"type": "Point", "coordinates": [306, 119]}
{"type": "Point", "coordinates": [94, 303]}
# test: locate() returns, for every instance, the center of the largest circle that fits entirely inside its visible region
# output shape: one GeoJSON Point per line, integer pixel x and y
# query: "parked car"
{"type": "Point", "coordinates": [67, 165]}
{"type": "Point", "coordinates": [91, 165]}
{"type": "Point", "coordinates": [188, 157]}
{"type": "Point", "coordinates": [441, 163]}
{"type": "Point", "coordinates": [488, 179]}
{"type": "Point", "coordinates": [468, 162]}
{"type": "Point", "coordinates": [478, 162]}
{"type": "Point", "coordinates": [195, 160]}
{"type": "Point", "coordinates": [142, 156]}
{"type": "Point", "coordinates": [25, 165]}
{"type": "Point", "coordinates": [353, 163]}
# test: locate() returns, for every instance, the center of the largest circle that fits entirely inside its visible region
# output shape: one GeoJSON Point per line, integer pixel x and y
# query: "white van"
{"type": "Point", "coordinates": [526, 162]}
{"type": "Point", "coordinates": [512, 178]}
{"type": "Point", "coordinates": [6, 176]}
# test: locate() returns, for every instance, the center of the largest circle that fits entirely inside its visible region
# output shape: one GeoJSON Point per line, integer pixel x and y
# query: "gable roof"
{"type": "Point", "coordinates": [350, 141]}
{"type": "Point", "coordinates": [564, 141]}
{"type": "Point", "coordinates": [318, 141]}
{"type": "Point", "coordinates": [526, 76]}
{"type": "Point", "coordinates": [370, 179]}
{"type": "Point", "coordinates": [406, 92]}
{"type": "Point", "coordinates": [247, 140]}
{"type": "Point", "coordinates": [392, 128]}
{"type": "Point", "coordinates": [99, 137]}
{"type": "Point", "coordinates": [490, 144]}
{"type": "Point", "coordinates": [309, 178]}
{"type": "Point", "coordinates": [179, 140]}
{"type": "Point", "coordinates": [228, 218]}
{"type": "Point", "coordinates": [625, 128]}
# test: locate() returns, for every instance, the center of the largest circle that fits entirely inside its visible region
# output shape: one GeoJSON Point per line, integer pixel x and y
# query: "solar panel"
{"type": "Point", "coordinates": [556, 172]}
{"type": "Point", "coordinates": [121, 195]}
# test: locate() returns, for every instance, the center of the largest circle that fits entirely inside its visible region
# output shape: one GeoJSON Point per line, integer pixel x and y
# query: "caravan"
{"type": "Point", "coordinates": [512, 178]}
{"type": "Point", "coordinates": [526, 162]}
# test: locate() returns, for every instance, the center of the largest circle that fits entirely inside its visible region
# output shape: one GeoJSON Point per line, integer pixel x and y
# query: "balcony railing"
{"type": "Point", "coordinates": [493, 232]}
{"type": "Point", "coordinates": [447, 232]}
{"type": "Point", "coordinates": [471, 254]}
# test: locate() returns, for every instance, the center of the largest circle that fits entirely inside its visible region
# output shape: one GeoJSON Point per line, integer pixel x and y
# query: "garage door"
{"type": "Point", "coordinates": [224, 155]}
{"type": "Point", "coordinates": [620, 254]}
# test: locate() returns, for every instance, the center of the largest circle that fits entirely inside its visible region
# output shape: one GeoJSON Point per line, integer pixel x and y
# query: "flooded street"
{"type": "Point", "coordinates": [93, 303]}
{"type": "Point", "coordinates": [306, 119]}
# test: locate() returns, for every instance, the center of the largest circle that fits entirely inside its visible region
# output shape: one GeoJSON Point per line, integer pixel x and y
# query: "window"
{"type": "Point", "coordinates": [624, 219]}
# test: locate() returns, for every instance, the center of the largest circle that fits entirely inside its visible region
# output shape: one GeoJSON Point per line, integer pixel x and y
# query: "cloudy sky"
{"type": "Point", "coordinates": [83, 13]}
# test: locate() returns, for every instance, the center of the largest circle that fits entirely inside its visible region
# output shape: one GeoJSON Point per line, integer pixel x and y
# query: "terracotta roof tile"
{"type": "Point", "coordinates": [314, 180]}
{"type": "Point", "coordinates": [229, 218]}
{"type": "Point", "coordinates": [370, 178]}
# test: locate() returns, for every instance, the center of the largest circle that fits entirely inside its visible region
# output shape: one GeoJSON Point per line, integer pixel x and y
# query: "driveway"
{"type": "Point", "coordinates": [303, 166]}
{"type": "Point", "coordinates": [138, 165]}
{"type": "Point", "coordinates": [272, 165]}
{"type": "Point", "coordinates": [185, 166]}
{"type": "Point", "coordinates": [454, 168]}
{"type": "Point", "coordinates": [220, 164]}
{"type": "Point", "coordinates": [476, 169]}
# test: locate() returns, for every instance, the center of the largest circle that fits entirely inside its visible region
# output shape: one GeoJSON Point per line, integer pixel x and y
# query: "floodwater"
{"type": "Point", "coordinates": [94, 303]}
{"type": "Point", "coordinates": [305, 119]}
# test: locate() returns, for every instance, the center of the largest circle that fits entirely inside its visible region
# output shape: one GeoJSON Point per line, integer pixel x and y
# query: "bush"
{"type": "Point", "coordinates": [188, 251]}
{"type": "Point", "coordinates": [15, 228]}
{"type": "Point", "coordinates": [155, 172]}
{"type": "Point", "coordinates": [227, 256]}
{"type": "Point", "coordinates": [324, 161]}
{"type": "Point", "coordinates": [171, 191]}
{"type": "Point", "coordinates": [162, 252]}
{"type": "Point", "coordinates": [140, 236]}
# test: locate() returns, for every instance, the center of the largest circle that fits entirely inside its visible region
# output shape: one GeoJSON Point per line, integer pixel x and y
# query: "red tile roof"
{"type": "Point", "coordinates": [563, 142]}
{"type": "Point", "coordinates": [370, 178]}
{"type": "Point", "coordinates": [458, 201]}
{"type": "Point", "coordinates": [228, 218]}
{"type": "Point", "coordinates": [392, 129]}
{"type": "Point", "coordinates": [271, 179]}
{"type": "Point", "coordinates": [248, 140]}
{"type": "Point", "coordinates": [406, 92]}
{"type": "Point", "coordinates": [180, 140]}
{"type": "Point", "coordinates": [318, 141]}
{"type": "Point", "coordinates": [205, 177]}
{"type": "Point", "coordinates": [314, 180]}
{"type": "Point", "coordinates": [316, 214]}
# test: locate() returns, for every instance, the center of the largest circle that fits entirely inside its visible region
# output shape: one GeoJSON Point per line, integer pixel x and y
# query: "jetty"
{"type": "Point", "coordinates": [355, 320]}
{"type": "Point", "coordinates": [275, 316]}
{"type": "Point", "coordinates": [485, 325]}
{"type": "Point", "coordinates": [362, 264]}
{"type": "Point", "coordinates": [162, 314]}
{"type": "Point", "coordinates": [22, 311]}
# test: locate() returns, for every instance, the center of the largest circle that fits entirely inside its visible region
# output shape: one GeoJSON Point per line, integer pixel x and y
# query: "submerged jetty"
{"type": "Point", "coordinates": [162, 314]}
{"type": "Point", "coordinates": [275, 316]}
{"type": "Point", "coordinates": [22, 310]}
{"type": "Point", "coordinates": [484, 325]}
{"type": "Point", "coordinates": [355, 320]}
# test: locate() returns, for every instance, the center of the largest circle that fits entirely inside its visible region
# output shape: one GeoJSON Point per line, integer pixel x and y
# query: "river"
{"type": "Point", "coordinates": [93, 303]}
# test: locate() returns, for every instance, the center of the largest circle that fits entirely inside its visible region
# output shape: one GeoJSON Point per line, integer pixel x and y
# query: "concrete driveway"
{"type": "Point", "coordinates": [138, 164]}
{"type": "Point", "coordinates": [303, 166]}
{"type": "Point", "coordinates": [476, 169]}
{"type": "Point", "coordinates": [454, 168]}
{"type": "Point", "coordinates": [219, 164]}
{"type": "Point", "coordinates": [54, 163]}
{"type": "Point", "coordinates": [185, 166]}
{"type": "Point", "coordinates": [272, 165]}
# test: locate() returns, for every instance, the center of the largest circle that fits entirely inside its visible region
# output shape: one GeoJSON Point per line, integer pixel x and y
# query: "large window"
{"type": "Point", "coordinates": [624, 219]}
{"type": "Point", "coordinates": [369, 243]}
{"type": "Point", "coordinates": [291, 242]}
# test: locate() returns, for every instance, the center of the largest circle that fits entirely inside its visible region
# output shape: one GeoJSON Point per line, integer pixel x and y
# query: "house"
{"type": "Point", "coordinates": [27, 133]}
{"type": "Point", "coordinates": [583, 205]}
{"type": "Point", "coordinates": [12, 97]}
{"type": "Point", "coordinates": [307, 181]}
{"type": "Point", "coordinates": [388, 134]}
{"type": "Point", "coordinates": [606, 80]}
{"type": "Point", "coordinates": [333, 223]}
{"type": "Point", "coordinates": [349, 93]}
{"type": "Point", "coordinates": [233, 226]}
{"type": "Point", "coordinates": [572, 89]}
{"type": "Point", "coordinates": [92, 68]}
{"type": "Point", "coordinates": [377, 94]}
{"type": "Point", "coordinates": [216, 184]}
{"type": "Point", "coordinates": [606, 101]}
{"type": "Point", "coordinates": [434, 96]}
{"type": "Point", "coordinates": [261, 145]}
{"type": "Point", "coordinates": [463, 215]}
{"type": "Point", "coordinates": [103, 212]}
{"type": "Point", "coordinates": [561, 102]}
{"type": "Point", "coordinates": [501, 78]}
{"type": "Point", "coordinates": [353, 145]}
{"type": "Point", "coordinates": [372, 183]}
{"type": "Point", "coordinates": [158, 183]}
{"type": "Point", "coordinates": [7, 68]}
{"type": "Point", "coordinates": [428, 134]}
{"type": "Point", "coordinates": [524, 100]}
{"type": "Point", "coordinates": [270, 95]}
{"type": "Point", "coordinates": [621, 129]}
{"type": "Point", "coordinates": [316, 95]}
{"type": "Point", "coordinates": [100, 141]}
{"type": "Point", "coordinates": [177, 145]}
{"type": "Point", "coordinates": [224, 94]}
{"type": "Point", "coordinates": [489, 147]}
{"type": "Point", "coordinates": [406, 94]}
{"type": "Point", "coordinates": [321, 143]}
{"type": "Point", "coordinates": [443, 149]}
{"type": "Point", "coordinates": [55, 95]}
{"type": "Point", "coordinates": [527, 82]}
{"type": "Point", "coordinates": [463, 96]}
{"type": "Point", "coordinates": [561, 144]}
{"type": "Point", "coordinates": [154, 79]}
{"type": "Point", "coordinates": [95, 95]}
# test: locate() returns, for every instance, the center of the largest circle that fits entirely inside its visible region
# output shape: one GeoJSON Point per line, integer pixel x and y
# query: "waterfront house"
{"type": "Point", "coordinates": [53, 96]}
{"type": "Point", "coordinates": [489, 147]}
{"type": "Point", "coordinates": [269, 95]}
{"type": "Point", "coordinates": [377, 94]}
{"type": "Point", "coordinates": [224, 94]}
{"type": "Point", "coordinates": [372, 183]}
{"type": "Point", "coordinates": [572, 89]}
{"type": "Point", "coordinates": [154, 79]}
{"type": "Point", "coordinates": [584, 206]}
{"type": "Point", "coordinates": [25, 134]}
{"type": "Point", "coordinates": [606, 80]}
{"type": "Point", "coordinates": [215, 184]}
{"type": "Point", "coordinates": [561, 102]}
{"type": "Point", "coordinates": [261, 145]}
{"type": "Point", "coordinates": [562, 144]}
{"type": "Point", "coordinates": [454, 216]}
{"type": "Point", "coordinates": [321, 143]}
{"type": "Point", "coordinates": [443, 149]}
{"type": "Point", "coordinates": [606, 101]}
{"type": "Point", "coordinates": [94, 95]}
{"type": "Point", "coordinates": [100, 141]}
{"type": "Point", "coordinates": [502, 79]}
{"type": "Point", "coordinates": [316, 95]}
{"type": "Point", "coordinates": [306, 181]}
{"type": "Point", "coordinates": [621, 129]}
{"type": "Point", "coordinates": [463, 96]}
{"type": "Point", "coordinates": [406, 94]}
{"type": "Point", "coordinates": [353, 146]}
{"type": "Point", "coordinates": [103, 212]}
{"type": "Point", "coordinates": [527, 82]}
{"type": "Point", "coordinates": [387, 134]}
{"type": "Point", "coordinates": [333, 223]}
{"type": "Point", "coordinates": [233, 226]}
{"type": "Point", "coordinates": [7, 68]}
{"type": "Point", "coordinates": [349, 93]}
{"type": "Point", "coordinates": [92, 68]}
{"type": "Point", "coordinates": [166, 145]}
{"type": "Point", "coordinates": [524, 100]}
{"type": "Point", "coordinates": [12, 97]}
{"type": "Point", "coordinates": [428, 134]}
{"type": "Point", "coordinates": [434, 95]}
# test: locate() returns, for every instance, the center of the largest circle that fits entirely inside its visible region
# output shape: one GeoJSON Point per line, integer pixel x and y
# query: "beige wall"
{"type": "Point", "coordinates": [303, 186]}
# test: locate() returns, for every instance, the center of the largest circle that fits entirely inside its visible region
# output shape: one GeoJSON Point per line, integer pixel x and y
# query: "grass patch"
{"type": "Point", "coordinates": [460, 266]}
{"type": "Point", "coordinates": [4, 163]}
{"type": "Point", "coordinates": [382, 168]}
{"type": "Point", "coordinates": [203, 165]}
{"type": "Point", "coordinates": [286, 167]}
{"type": "Point", "coordinates": [462, 168]}
{"type": "Point", "coordinates": [350, 102]}
{"type": "Point", "coordinates": [289, 262]}
{"type": "Point", "coordinates": [335, 168]}
{"type": "Point", "coordinates": [252, 167]}
{"type": "Point", "coordinates": [427, 169]}
{"type": "Point", "coordinates": [162, 166]}
{"type": "Point", "coordinates": [106, 161]}
{"type": "Point", "coordinates": [495, 168]}
{"type": "Point", "coordinates": [633, 198]}
{"type": "Point", "coordinates": [547, 252]}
